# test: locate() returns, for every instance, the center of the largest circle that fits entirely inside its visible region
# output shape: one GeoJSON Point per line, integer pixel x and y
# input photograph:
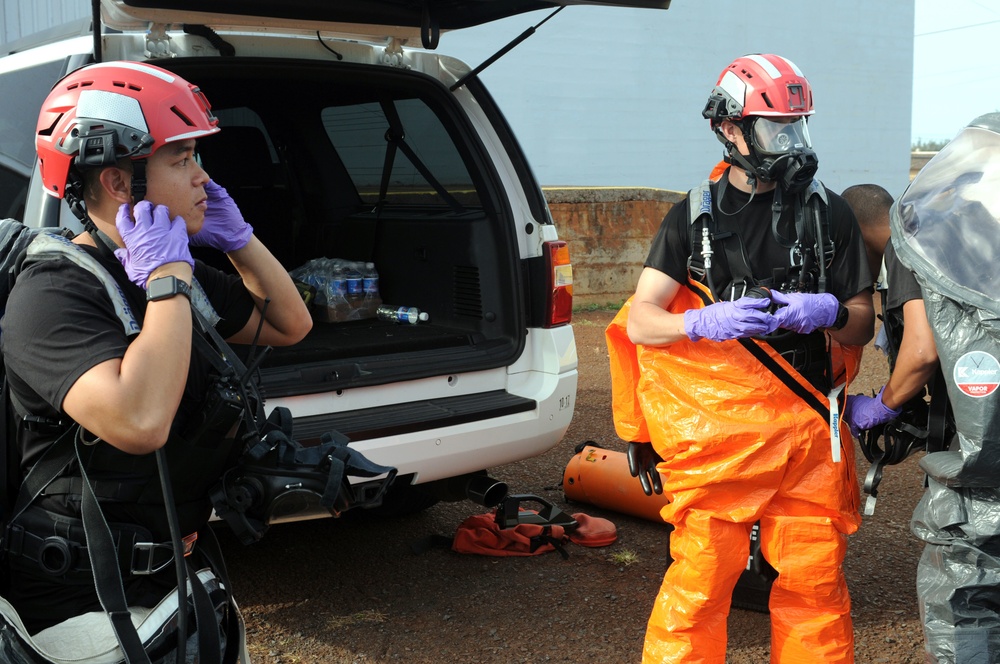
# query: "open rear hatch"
{"type": "Point", "coordinates": [368, 163]}
{"type": "Point", "coordinates": [403, 19]}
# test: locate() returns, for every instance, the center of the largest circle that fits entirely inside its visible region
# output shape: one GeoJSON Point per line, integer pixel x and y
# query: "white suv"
{"type": "Point", "coordinates": [340, 140]}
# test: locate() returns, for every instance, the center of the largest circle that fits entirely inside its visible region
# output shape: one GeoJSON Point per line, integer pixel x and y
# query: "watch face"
{"type": "Point", "coordinates": [842, 314]}
{"type": "Point", "coordinates": [165, 287]}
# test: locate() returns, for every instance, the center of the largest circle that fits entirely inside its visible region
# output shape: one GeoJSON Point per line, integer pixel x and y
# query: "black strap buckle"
{"type": "Point", "coordinates": [153, 557]}
{"type": "Point", "coordinates": [37, 424]}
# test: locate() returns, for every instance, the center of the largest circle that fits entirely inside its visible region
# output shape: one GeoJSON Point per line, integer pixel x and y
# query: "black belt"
{"type": "Point", "coordinates": [57, 555]}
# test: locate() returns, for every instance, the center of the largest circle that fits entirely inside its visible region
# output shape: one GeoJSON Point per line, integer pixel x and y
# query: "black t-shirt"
{"type": "Point", "coordinates": [902, 285]}
{"type": "Point", "coordinates": [847, 275]}
{"type": "Point", "coordinates": [748, 220]}
{"type": "Point", "coordinates": [59, 323]}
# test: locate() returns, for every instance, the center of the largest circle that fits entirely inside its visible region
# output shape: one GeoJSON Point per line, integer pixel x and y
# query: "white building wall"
{"type": "Point", "coordinates": [21, 18]}
{"type": "Point", "coordinates": [604, 96]}
{"type": "Point", "coordinates": [601, 96]}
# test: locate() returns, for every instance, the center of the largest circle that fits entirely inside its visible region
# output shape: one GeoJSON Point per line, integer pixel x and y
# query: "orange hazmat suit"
{"type": "Point", "coordinates": [744, 438]}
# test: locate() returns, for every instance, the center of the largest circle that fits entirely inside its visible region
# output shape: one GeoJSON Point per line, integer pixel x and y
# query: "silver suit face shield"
{"type": "Point", "coordinates": [947, 223]}
{"type": "Point", "coordinates": [780, 136]}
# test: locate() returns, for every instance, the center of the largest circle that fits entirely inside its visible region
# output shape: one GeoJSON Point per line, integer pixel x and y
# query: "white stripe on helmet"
{"type": "Point", "coordinates": [111, 106]}
{"type": "Point", "coordinates": [136, 66]}
{"type": "Point", "coordinates": [766, 65]}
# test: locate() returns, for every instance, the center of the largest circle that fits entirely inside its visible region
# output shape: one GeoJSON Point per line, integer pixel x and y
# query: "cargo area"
{"type": "Point", "coordinates": [369, 164]}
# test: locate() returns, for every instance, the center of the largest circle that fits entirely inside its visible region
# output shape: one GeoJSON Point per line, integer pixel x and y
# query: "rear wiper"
{"type": "Point", "coordinates": [503, 51]}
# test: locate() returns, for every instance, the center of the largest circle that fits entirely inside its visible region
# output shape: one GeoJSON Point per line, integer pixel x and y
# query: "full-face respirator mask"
{"type": "Point", "coordinates": [780, 152]}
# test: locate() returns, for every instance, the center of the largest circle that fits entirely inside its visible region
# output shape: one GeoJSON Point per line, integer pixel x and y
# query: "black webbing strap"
{"type": "Point", "coordinates": [775, 368]}
{"type": "Point", "coordinates": [235, 633]}
{"type": "Point", "coordinates": [209, 643]}
{"type": "Point", "coordinates": [785, 377]}
{"type": "Point", "coordinates": [180, 568]}
{"type": "Point", "coordinates": [51, 464]}
{"type": "Point", "coordinates": [107, 577]}
{"type": "Point", "coordinates": [939, 415]}
{"type": "Point", "coordinates": [395, 137]}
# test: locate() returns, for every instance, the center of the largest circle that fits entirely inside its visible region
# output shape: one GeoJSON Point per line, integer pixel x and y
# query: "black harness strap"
{"type": "Point", "coordinates": [813, 241]}
{"type": "Point", "coordinates": [699, 262]}
{"type": "Point", "coordinates": [107, 578]}
{"type": "Point", "coordinates": [235, 633]}
{"type": "Point", "coordinates": [795, 386]}
{"type": "Point", "coordinates": [940, 419]}
{"type": "Point", "coordinates": [51, 464]}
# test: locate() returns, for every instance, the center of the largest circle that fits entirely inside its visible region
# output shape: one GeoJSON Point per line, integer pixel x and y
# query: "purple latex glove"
{"type": "Point", "coordinates": [805, 312]}
{"type": "Point", "coordinates": [745, 317]}
{"type": "Point", "coordinates": [863, 412]}
{"type": "Point", "coordinates": [151, 240]}
{"type": "Point", "coordinates": [224, 228]}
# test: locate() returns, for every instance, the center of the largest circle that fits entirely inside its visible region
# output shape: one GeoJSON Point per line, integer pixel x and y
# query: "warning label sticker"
{"type": "Point", "coordinates": [977, 374]}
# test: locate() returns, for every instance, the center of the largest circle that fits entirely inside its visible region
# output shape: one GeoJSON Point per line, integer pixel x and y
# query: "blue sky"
{"type": "Point", "coordinates": [955, 72]}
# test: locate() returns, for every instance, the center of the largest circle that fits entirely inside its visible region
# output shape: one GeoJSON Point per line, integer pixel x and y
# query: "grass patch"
{"type": "Point", "coordinates": [625, 557]}
{"type": "Point", "coordinates": [359, 618]}
{"type": "Point", "coordinates": [607, 306]}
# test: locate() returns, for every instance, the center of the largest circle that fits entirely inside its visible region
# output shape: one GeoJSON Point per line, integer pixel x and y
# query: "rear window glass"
{"type": "Point", "coordinates": [24, 92]}
{"type": "Point", "coordinates": [402, 151]}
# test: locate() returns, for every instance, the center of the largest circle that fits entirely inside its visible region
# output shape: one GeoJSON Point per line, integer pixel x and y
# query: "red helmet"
{"type": "Point", "coordinates": [759, 84]}
{"type": "Point", "coordinates": [103, 112]}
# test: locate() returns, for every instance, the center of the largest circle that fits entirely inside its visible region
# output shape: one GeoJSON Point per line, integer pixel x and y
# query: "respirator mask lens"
{"type": "Point", "coordinates": [774, 138]}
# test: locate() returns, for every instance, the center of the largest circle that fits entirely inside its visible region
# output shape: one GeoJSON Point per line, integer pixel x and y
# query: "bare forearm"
{"type": "Point", "coordinates": [131, 402]}
{"type": "Point", "coordinates": [265, 278]}
{"type": "Point", "coordinates": [907, 380]}
{"type": "Point", "coordinates": [649, 325]}
{"type": "Point", "coordinates": [860, 327]}
{"type": "Point", "coordinates": [917, 358]}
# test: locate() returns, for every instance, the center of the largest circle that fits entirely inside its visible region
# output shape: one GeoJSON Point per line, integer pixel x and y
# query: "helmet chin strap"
{"type": "Point", "coordinates": [138, 185]}
{"type": "Point", "coordinates": [750, 164]}
{"type": "Point", "coordinates": [792, 172]}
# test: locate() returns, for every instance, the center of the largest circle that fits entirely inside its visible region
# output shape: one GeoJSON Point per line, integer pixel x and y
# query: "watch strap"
{"type": "Point", "coordinates": [843, 313]}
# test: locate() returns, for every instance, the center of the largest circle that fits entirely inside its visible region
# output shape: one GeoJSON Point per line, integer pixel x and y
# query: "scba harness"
{"type": "Point", "coordinates": [90, 549]}
{"type": "Point", "coordinates": [811, 253]}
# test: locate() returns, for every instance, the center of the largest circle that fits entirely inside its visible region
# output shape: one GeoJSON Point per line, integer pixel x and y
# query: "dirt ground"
{"type": "Point", "coordinates": [356, 592]}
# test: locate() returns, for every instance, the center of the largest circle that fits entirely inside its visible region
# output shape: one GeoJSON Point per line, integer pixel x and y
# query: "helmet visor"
{"type": "Point", "coordinates": [777, 137]}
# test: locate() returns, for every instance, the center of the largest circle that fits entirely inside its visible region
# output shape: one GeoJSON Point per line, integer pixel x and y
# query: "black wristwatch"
{"type": "Point", "coordinates": [842, 315]}
{"type": "Point", "coordinates": [163, 288]}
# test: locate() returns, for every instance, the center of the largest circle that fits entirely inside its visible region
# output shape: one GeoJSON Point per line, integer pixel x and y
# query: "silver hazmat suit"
{"type": "Point", "coordinates": [946, 228]}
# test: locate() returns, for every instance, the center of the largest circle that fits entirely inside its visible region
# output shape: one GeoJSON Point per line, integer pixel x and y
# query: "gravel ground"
{"type": "Point", "coordinates": [354, 590]}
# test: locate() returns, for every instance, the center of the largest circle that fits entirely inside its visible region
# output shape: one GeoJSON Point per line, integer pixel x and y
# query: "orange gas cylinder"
{"type": "Point", "coordinates": [600, 477]}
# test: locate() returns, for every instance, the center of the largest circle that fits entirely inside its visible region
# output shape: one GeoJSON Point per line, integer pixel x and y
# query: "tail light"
{"type": "Point", "coordinates": [559, 271]}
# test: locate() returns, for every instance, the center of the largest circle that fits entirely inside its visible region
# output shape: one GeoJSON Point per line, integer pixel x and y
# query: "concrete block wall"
{"type": "Point", "coordinates": [608, 230]}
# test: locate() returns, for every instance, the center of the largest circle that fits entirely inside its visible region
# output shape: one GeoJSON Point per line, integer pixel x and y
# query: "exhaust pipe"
{"type": "Point", "coordinates": [484, 490]}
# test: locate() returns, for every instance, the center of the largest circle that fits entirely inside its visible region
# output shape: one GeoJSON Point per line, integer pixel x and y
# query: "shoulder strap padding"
{"type": "Point", "coordinates": [700, 201]}
{"type": "Point", "coordinates": [47, 246]}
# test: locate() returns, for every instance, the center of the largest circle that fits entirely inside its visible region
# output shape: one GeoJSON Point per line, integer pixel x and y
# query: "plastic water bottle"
{"type": "Point", "coordinates": [369, 282]}
{"type": "Point", "coordinates": [355, 284]}
{"type": "Point", "coordinates": [372, 299]}
{"type": "Point", "coordinates": [337, 289]}
{"type": "Point", "coordinates": [410, 315]}
{"type": "Point", "coordinates": [336, 294]}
